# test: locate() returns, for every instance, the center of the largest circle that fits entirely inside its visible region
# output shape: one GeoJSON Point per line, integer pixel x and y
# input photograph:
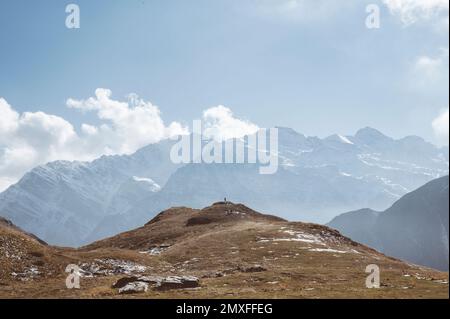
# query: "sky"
{"type": "Point", "coordinates": [138, 71]}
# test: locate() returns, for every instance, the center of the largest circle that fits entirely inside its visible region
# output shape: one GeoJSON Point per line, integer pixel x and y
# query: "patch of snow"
{"type": "Point", "coordinates": [157, 250]}
{"type": "Point", "coordinates": [301, 237]}
{"type": "Point", "coordinates": [153, 251]}
{"type": "Point", "coordinates": [154, 186]}
{"type": "Point", "coordinates": [108, 267]}
{"type": "Point", "coordinates": [237, 213]}
{"type": "Point", "coordinates": [345, 140]}
{"type": "Point", "coordinates": [29, 273]}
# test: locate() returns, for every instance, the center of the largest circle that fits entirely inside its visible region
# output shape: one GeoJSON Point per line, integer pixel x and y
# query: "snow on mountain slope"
{"type": "Point", "coordinates": [339, 139]}
{"type": "Point", "coordinates": [400, 166]}
{"type": "Point", "coordinates": [309, 195]}
{"type": "Point", "coordinates": [64, 201]}
{"type": "Point", "coordinates": [71, 203]}
{"type": "Point", "coordinates": [317, 179]}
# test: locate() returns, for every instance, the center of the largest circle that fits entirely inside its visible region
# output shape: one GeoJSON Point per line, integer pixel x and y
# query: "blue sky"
{"type": "Point", "coordinates": [307, 64]}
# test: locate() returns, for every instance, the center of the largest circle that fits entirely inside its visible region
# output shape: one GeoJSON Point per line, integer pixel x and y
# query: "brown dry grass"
{"type": "Point", "coordinates": [228, 242]}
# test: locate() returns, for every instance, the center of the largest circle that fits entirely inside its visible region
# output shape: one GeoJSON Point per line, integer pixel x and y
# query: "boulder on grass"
{"type": "Point", "coordinates": [122, 282]}
{"type": "Point", "coordinates": [134, 287]}
{"type": "Point", "coordinates": [178, 282]}
{"type": "Point", "coordinates": [154, 280]}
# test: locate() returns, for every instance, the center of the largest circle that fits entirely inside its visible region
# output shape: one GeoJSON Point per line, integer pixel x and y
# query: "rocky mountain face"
{"type": "Point", "coordinates": [73, 203]}
{"type": "Point", "coordinates": [415, 228]}
{"type": "Point", "coordinates": [62, 201]}
{"type": "Point", "coordinates": [225, 250]}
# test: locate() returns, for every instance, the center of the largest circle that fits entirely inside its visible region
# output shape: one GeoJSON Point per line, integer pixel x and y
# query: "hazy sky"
{"type": "Point", "coordinates": [312, 65]}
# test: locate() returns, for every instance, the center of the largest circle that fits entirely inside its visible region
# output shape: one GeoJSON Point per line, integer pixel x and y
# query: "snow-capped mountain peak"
{"type": "Point", "coordinates": [71, 203]}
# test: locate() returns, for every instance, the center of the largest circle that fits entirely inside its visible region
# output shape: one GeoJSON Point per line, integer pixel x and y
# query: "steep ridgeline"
{"type": "Point", "coordinates": [415, 228]}
{"type": "Point", "coordinates": [75, 203]}
{"type": "Point", "coordinates": [62, 202]}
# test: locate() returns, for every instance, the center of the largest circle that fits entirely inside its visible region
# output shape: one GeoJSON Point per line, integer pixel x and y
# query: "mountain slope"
{"type": "Point", "coordinates": [415, 228]}
{"type": "Point", "coordinates": [73, 203]}
{"type": "Point", "coordinates": [230, 251]}
{"type": "Point", "coordinates": [307, 194]}
{"type": "Point", "coordinates": [62, 202]}
{"type": "Point", "coordinates": [22, 255]}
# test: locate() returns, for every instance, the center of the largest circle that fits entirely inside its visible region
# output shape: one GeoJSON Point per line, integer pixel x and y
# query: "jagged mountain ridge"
{"type": "Point", "coordinates": [62, 201]}
{"type": "Point", "coordinates": [72, 203]}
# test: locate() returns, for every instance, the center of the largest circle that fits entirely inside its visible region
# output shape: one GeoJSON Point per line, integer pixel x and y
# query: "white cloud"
{"type": "Point", "coordinates": [441, 127]}
{"type": "Point", "coordinates": [412, 11]}
{"type": "Point", "coordinates": [307, 11]}
{"type": "Point", "coordinates": [128, 125]}
{"type": "Point", "coordinates": [31, 139]}
{"type": "Point", "coordinates": [429, 73]}
{"type": "Point", "coordinates": [220, 124]}
{"type": "Point", "coordinates": [432, 66]}
{"type": "Point", "coordinates": [428, 65]}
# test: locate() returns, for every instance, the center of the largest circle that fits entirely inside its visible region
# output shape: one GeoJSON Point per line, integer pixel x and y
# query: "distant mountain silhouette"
{"type": "Point", "coordinates": [415, 228]}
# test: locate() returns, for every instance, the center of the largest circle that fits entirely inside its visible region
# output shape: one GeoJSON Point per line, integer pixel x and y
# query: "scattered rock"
{"type": "Point", "coordinates": [156, 250]}
{"type": "Point", "coordinates": [122, 282]}
{"type": "Point", "coordinates": [134, 284]}
{"type": "Point", "coordinates": [155, 280]}
{"type": "Point", "coordinates": [134, 287]}
{"type": "Point", "coordinates": [28, 274]}
{"type": "Point", "coordinates": [217, 274]}
{"type": "Point", "coordinates": [178, 282]}
{"type": "Point", "coordinates": [230, 271]}
{"type": "Point", "coordinates": [109, 267]}
{"type": "Point", "coordinates": [253, 268]}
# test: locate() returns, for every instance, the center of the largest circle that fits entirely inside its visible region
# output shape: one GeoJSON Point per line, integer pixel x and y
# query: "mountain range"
{"type": "Point", "coordinates": [75, 203]}
{"type": "Point", "coordinates": [415, 228]}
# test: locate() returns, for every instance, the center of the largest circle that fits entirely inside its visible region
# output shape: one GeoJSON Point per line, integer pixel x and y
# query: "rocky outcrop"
{"type": "Point", "coordinates": [134, 287]}
{"type": "Point", "coordinates": [178, 282]}
{"type": "Point", "coordinates": [137, 284]}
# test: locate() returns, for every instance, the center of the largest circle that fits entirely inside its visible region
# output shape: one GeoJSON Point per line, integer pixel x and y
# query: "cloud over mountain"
{"type": "Point", "coordinates": [34, 138]}
{"type": "Point", "coordinates": [221, 124]}
{"type": "Point", "coordinates": [29, 139]}
{"type": "Point", "coordinates": [127, 126]}
{"type": "Point", "coordinates": [440, 127]}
